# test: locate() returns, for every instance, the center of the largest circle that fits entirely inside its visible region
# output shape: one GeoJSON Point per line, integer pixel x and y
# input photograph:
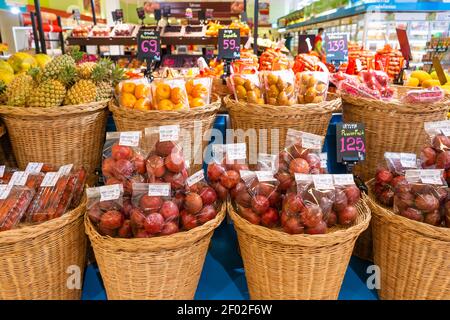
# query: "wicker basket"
{"type": "Point", "coordinates": [312, 118]}
{"type": "Point", "coordinates": [166, 267]}
{"type": "Point", "coordinates": [135, 120]}
{"type": "Point", "coordinates": [282, 266]}
{"type": "Point", "coordinates": [413, 257]}
{"type": "Point", "coordinates": [69, 134]}
{"type": "Point", "coordinates": [222, 90]}
{"type": "Point", "coordinates": [364, 245]}
{"type": "Point", "coordinates": [6, 153]}
{"type": "Point", "coordinates": [390, 126]}
{"type": "Point", "coordinates": [37, 261]}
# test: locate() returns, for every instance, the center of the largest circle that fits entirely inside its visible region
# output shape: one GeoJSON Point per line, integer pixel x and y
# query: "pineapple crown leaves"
{"type": "Point", "coordinates": [67, 76]}
{"type": "Point", "coordinates": [35, 73]}
{"type": "Point", "coordinates": [75, 53]}
{"type": "Point", "coordinates": [117, 75]}
{"type": "Point", "coordinates": [2, 87]}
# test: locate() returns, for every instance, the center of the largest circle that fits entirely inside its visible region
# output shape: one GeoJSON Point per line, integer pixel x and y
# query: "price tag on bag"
{"type": "Point", "coordinates": [130, 138]}
{"type": "Point", "coordinates": [432, 176]}
{"type": "Point", "coordinates": [2, 171]}
{"type": "Point", "coordinates": [323, 181]}
{"type": "Point", "coordinates": [149, 45]}
{"type": "Point", "coordinates": [323, 160]}
{"type": "Point", "coordinates": [50, 179]}
{"type": "Point", "coordinates": [34, 167]}
{"type": "Point", "coordinates": [159, 189]}
{"type": "Point", "coordinates": [65, 170]}
{"type": "Point", "coordinates": [311, 141]}
{"type": "Point", "coordinates": [343, 179]}
{"type": "Point", "coordinates": [408, 160]}
{"type": "Point", "coordinates": [111, 192]}
{"type": "Point", "coordinates": [5, 190]}
{"type": "Point", "coordinates": [169, 133]}
{"type": "Point", "coordinates": [19, 178]}
{"type": "Point", "coordinates": [350, 142]}
{"type": "Point", "coordinates": [229, 43]}
{"type": "Point", "coordinates": [303, 178]}
{"type": "Point", "coordinates": [195, 178]}
{"type": "Point", "coordinates": [236, 151]}
{"type": "Point", "coordinates": [265, 176]}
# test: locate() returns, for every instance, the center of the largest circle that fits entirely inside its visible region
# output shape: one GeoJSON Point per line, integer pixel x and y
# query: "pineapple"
{"type": "Point", "coordinates": [105, 74]}
{"type": "Point", "coordinates": [83, 91]}
{"type": "Point", "coordinates": [56, 66]}
{"type": "Point", "coordinates": [18, 91]}
{"type": "Point", "coordinates": [49, 93]}
{"type": "Point", "coordinates": [84, 70]}
{"type": "Point", "coordinates": [104, 91]}
{"type": "Point", "coordinates": [3, 98]}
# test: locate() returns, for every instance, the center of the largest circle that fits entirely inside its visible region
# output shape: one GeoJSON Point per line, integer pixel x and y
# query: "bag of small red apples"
{"type": "Point", "coordinates": [424, 196]}
{"type": "Point", "coordinates": [391, 173]}
{"type": "Point", "coordinates": [106, 211]}
{"type": "Point", "coordinates": [123, 159]}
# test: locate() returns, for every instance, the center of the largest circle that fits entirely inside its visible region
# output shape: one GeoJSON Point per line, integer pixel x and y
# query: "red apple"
{"type": "Point", "coordinates": [270, 218]}
{"type": "Point", "coordinates": [154, 223]}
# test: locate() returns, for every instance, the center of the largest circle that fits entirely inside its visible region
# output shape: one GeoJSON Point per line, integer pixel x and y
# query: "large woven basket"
{"type": "Point", "coordinates": [60, 135]}
{"type": "Point", "coordinates": [166, 267]}
{"type": "Point", "coordinates": [312, 118]}
{"type": "Point", "coordinates": [203, 118]}
{"type": "Point", "coordinates": [413, 257]}
{"type": "Point", "coordinates": [280, 266]}
{"type": "Point", "coordinates": [222, 90]}
{"type": "Point", "coordinates": [6, 153]}
{"type": "Point", "coordinates": [390, 126]}
{"type": "Point", "coordinates": [44, 261]}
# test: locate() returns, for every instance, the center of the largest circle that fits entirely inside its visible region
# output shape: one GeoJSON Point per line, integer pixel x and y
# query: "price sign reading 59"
{"type": "Point", "coordinates": [149, 45]}
{"type": "Point", "coordinates": [229, 44]}
{"type": "Point", "coordinates": [350, 142]}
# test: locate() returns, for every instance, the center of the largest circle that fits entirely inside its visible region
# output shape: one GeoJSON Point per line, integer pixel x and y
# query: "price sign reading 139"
{"type": "Point", "coordinates": [229, 44]}
{"type": "Point", "coordinates": [351, 142]}
{"type": "Point", "coordinates": [149, 45]}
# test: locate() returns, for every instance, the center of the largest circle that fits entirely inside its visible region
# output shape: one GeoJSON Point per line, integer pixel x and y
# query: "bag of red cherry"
{"type": "Point", "coordinates": [302, 154]}
{"type": "Point", "coordinates": [423, 197]}
{"type": "Point", "coordinates": [347, 195]}
{"type": "Point", "coordinates": [437, 153]}
{"type": "Point", "coordinates": [391, 173]}
{"type": "Point", "coordinates": [168, 160]}
{"type": "Point", "coordinates": [105, 210]}
{"type": "Point", "coordinates": [200, 204]}
{"type": "Point", "coordinates": [123, 159]}
{"type": "Point", "coordinates": [155, 212]}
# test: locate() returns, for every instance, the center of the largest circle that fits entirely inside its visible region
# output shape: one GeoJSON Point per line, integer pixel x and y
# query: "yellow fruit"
{"type": "Point", "coordinates": [141, 91]}
{"type": "Point", "coordinates": [163, 91]}
{"type": "Point", "coordinates": [283, 99]}
{"type": "Point", "coordinates": [310, 95]}
{"type": "Point", "coordinates": [249, 85]}
{"type": "Point", "coordinates": [257, 93]}
{"type": "Point", "coordinates": [199, 91]}
{"type": "Point", "coordinates": [238, 81]}
{"type": "Point", "coordinates": [446, 88]}
{"type": "Point", "coordinates": [281, 85]}
{"type": "Point", "coordinates": [189, 86]}
{"type": "Point", "coordinates": [251, 97]}
{"type": "Point", "coordinates": [272, 79]}
{"type": "Point", "coordinates": [22, 62]}
{"type": "Point", "coordinates": [127, 100]}
{"type": "Point", "coordinates": [128, 87]}
{"type": "Point", "coordinates": [5, 67]}
{"type": "Point", "coordinates": [412, 82]}
{"type": "Point", "coordinates": [273, 91]}
{"type": "Point", "coordinates": [430, 83]}
{"type": "Point", "coordinates": [434, 75]}
{"type": "Point", "coordinates": [260, 101]}
{"type": "Point", "coordinates": [142, 104]}
{"type": "Point", "coordinates": [272, 101]}
{"type": "Point", "coordinates": [165, 104]}
{"type": "Point", "coordinates": [421, 75]}
{"type": "Point", "coordinates": [241, 92]}
{"type": "Point", "coordinates": [176, 95]}
{"type": "Point", "coordinates": [6, 77]}
{"type": "Point", "coordinates": [42, 60]}
{"type": "Point", "coordinates": [197, 102]}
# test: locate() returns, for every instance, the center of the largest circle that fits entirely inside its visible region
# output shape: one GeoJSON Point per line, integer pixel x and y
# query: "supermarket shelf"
{"type": "Point", "coordinates": [128, 41]}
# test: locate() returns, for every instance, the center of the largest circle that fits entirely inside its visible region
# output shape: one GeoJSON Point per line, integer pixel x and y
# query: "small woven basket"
{"type": "Point", "coordinates": [167, 267]}
{"type": "Point", "coordinates": [312, 118]}
{"type": "Point", "coordinates": [60, 135]}
{"type": "Point", "coordinates": [413, 257]}
{"type": "Point", "coordinates": [44, 261]}
{"type": "Point", "coordinates": [190, 120]}
{"type": "Point", "coordinates": [280, 266]}
{"type": "Point", "coordinates": [390, 126]}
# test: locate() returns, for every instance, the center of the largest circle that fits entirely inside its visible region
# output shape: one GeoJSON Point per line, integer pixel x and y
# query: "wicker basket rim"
{"type": "Point", "coordinates": [174, 241]}
{"type": "Point", "coordinates": [305, 240]}
{"type": "Point", "coordinates": [417, 227]}
{"type": "Point", "coordinates": [33, 231]}
{"type": "Point", "coordinates": [54, 111]}
{"type": "Point", "coordinates": [322, 107]}
{"type": "Point", "coordinates": [395, 106]}
{"type": "Point", "coordinates": [212, 107]}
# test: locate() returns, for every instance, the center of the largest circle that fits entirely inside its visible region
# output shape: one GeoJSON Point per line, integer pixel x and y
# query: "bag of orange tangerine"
{"type": "Point", "coordinates": [199, 91]}
{"type": "Point", "coordinates": [135, 94]}
{"type": "Point", "coordinates": [170, 94]}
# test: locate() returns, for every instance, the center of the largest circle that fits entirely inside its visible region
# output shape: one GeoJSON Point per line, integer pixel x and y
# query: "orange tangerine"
{"type": "Point", "coordinates": [142, 104]}
{"type": "Point", "coordinates": [178, 106]}
{"type": "Point", "coordinates": [189, 86]}
{"type": "Point", "coordinates": [141, 91]}
{"type": "Point", "coordinates": [197, 102]}
{"type": "Point", "coordinates": [241, 92]}
{"type": "Point", "coordinates": [165, 104]}
{"type": "Point", "coordinates": [128, 87]}
{"type": "Point", "coordinates": [163, 91]}
{"type": "Point", "coordinates": [176, 96]}
{"type": "Point", "coordinates": [199, 91]}
{"type": "Point", "coordinates": [127, 100]}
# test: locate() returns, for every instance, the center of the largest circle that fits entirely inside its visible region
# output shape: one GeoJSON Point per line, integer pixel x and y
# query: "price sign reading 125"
{"type": "Point", "coordinates": [229, 44]}
{"type": "Point", "coordinates": [149, 45]}
{"type": "Point", "coordinates": [351, 142]}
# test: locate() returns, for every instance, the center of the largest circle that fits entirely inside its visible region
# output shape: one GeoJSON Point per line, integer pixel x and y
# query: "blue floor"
{"type": "Point", "coordinates": [223, 274]}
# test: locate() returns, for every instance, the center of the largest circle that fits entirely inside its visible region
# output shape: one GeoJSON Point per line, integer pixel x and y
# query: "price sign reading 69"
{"type": "Point", "coordinates": [350, 142]}
{"type": "Point", "coordinates": [149, 45]}
{"type": "Point", "coordinates": [229, 44]}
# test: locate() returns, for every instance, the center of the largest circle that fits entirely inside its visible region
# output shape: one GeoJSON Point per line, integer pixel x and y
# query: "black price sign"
{"type": "Point", "coordinates": [336, 47]}
{"type": "Point", "coordinates": [114, 15]}
{"type": "Point", "coordinates": [305, 43]}
{"type": "Point", "coordinates": [76, 14]}
{"type": "Point", "coordinates": [350, 142]}
{"type": "Point", "coordinates": [140, 13]}
{"type": "Point", "coordinates": [149, 45]}
{"type": "Point", "coordinates": [405, 48]}
{"type": "Point", "coordinates": [119, 14]}
{"type": "Point", "coordinates": [229, 44]}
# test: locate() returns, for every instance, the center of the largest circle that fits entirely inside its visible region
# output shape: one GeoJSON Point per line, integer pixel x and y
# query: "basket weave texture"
{"type": "Point", "coordinates": [281, 266]}
{"type": "Point", "coordinates": [390, 126]}
{"type": "Point", "coordinates": [413, 257]}
{"type": "Point", "coordinates": [167, 267]}
{"type": "Point", "coordinates": [60, 135]}
{"type": "Point", "coordinates": [37, 261]}
{"type": "Point", "coordinates": [6, 153]}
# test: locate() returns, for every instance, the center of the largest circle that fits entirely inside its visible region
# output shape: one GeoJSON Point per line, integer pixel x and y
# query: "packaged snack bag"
{"type": "Point", "coordinates": [279, 87]}
{"type": "Point", "coordinates": [170, 94]}
{"type": "Point", "coordinates": [14, 201]}
{"type": "Point", "coordinates": [247, 88]}
{"type": "Point", "coordinates": [431, 95]}
{"type": "Point", "coordinates": [135, 94]}
{"type": "Point", "coordinates": [199, 91]}
{"type": "Point", "coordinates": [105, 210]}
{"type": "Point", "coordinates": [312, 86]}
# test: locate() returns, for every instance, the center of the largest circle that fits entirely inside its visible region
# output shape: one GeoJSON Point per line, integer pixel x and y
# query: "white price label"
{"type": "Point", "coordinates": [195, 178]}
{"type": "Point", "coordinates": [19, 178]}
{"type": "Point", "coordinates": [265, 176]}
{"type": "Point", "coordinates": [343, 179]}
{"type": "Point", "coordinates": [169, 133]}
{"type": "Point", "coordinates": [408, 160]}
{"type": "Point", "coordinates": [311, 141]}
{"type": "Point", "coordinates": [323, 181]}
{"type": "Point", "coordinates": [130, 138]}
{"type": "Point", "coordinates": [34, 167]}
{"type": "Point", "coordinates": [323, 160]}
{"type": "Point", "coordinates": [5, 189]}
{"type": "Point", "coordinates": [303, 178]}
{"type": "Point", "coordinates": [111, 192]}
{"type": "Point", "coordinates": [2, 171]}
{"type": "Point", "coordinates": [50, 179]}
{"type": "Point", "coordinates": [392, 156]}
{"type": "Point", "coordinates": [159, 189]}
{"type": "Point", "coordinates": [247, 175]}
{"type": "Point", "coordinates": [431, 176]}
{"type": "Point", "coordinates": [438, 127]}
{"type": "Point", "coordinates": [236, 151]}
{"type": "Point", "coordinates": [269, 161]}
{"type": "Point", "coordinates": [65, 170]}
